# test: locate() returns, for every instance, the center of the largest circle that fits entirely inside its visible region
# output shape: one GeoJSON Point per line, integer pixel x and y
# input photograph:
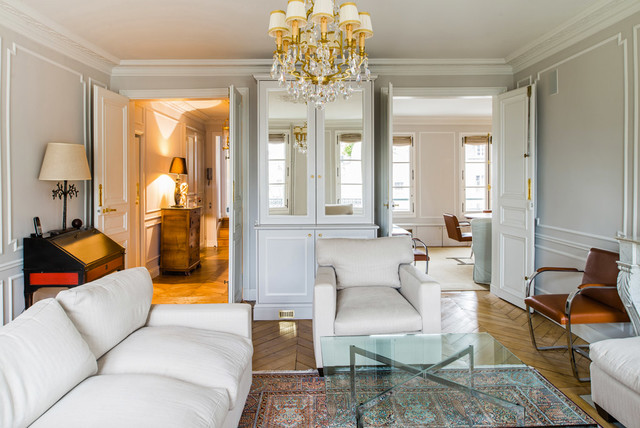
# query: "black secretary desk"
{"type": "Point", "coordinates": [69, 259]}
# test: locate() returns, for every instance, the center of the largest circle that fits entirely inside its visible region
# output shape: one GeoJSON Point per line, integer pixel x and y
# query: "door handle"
{"type": "Point", "coordinates": [108, 210]}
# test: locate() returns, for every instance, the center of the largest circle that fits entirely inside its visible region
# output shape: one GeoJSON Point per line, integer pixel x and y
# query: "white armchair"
{"type": "Point", "coordinates": [369, 286]}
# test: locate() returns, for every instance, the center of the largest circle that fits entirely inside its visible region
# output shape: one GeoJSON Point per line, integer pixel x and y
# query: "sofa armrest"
{"type": "Point", "coordinates": [324, 307]}
{"type": "Point", "coordinates": [227, 318]}
{"type": "Point", "coordinates": [424, 295]}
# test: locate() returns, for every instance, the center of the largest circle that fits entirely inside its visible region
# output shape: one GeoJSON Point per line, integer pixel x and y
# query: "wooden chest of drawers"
{"type": "Point", "coordinates": [180, 240]}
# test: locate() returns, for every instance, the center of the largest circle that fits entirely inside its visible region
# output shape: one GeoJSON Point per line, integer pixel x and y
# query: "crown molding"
{"type": "Point", "coordinates": [26, 21]}
{"type": "Point", "coordinates": [441, 120]}
{"type": "Point", "coordinates": [596, 18]}
{"type": "Point", "coordinates": [440, 67]}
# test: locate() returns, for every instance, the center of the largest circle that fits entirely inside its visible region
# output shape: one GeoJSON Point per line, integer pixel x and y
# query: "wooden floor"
{"type": "Point", "coordinates": [288, 345]}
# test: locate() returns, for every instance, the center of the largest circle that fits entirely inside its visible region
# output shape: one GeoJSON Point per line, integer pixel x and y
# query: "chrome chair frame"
{"type": "Point", "coordinates": [416, 242]}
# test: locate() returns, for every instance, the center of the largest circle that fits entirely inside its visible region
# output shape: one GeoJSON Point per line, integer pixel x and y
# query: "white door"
{"type": "Point", "coordinates": [385, 192]}
{"type": "Point", "coordinates": [235, 220]}
{"type": "Point", "coordinates": [111, 190]}
{"type": "Point", "coordinates": [514, 163]}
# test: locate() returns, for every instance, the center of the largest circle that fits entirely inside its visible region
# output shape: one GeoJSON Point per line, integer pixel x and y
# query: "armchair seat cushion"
{"type": "Point", "coordinates": [374, 310]}
{"type": "Point", "coordinates": [619, 359]}
{"type": "Point", "coordinates": [584, 310]}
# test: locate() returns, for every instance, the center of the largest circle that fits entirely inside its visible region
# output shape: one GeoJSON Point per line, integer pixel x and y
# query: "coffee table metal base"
{"type": "Point", "coordinates": [361, 408]}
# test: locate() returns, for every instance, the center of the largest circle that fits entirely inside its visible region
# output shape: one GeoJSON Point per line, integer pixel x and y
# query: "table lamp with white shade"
{"type": "Point", "coordinates": [65, 162]}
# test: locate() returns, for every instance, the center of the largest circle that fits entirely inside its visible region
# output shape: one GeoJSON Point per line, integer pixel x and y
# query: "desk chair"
{"type": "Point", "coordinates": [455, 233]}
{"type": "Point", "coordinates": [420, 253]}
{"type": "Point", "coordinates": [595, 301]}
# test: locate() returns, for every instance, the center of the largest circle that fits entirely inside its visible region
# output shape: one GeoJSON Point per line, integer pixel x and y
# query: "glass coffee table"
{"type": "Point", "coordinates": [466, 379]}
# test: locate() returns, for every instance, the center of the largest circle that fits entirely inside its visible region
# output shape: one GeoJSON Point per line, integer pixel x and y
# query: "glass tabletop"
{"type": "Point", "coordinates": [465, 379]}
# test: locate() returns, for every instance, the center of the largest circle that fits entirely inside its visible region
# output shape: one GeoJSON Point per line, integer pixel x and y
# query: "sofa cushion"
{"type": "Point", "coordinates": [374, 310]}
{"type": "Point", "coordinates": [619, 359]}
{"type": "Point", "coordinates": [137, 401]}
{"type": "Point", "coordinates": [365, 262]}
{"type": "Point", "coordinates": [42, 356]}
{"type": "Point", "coordinates": [203, 357]}
{"type": "Point", "coordinates": [108, 309]}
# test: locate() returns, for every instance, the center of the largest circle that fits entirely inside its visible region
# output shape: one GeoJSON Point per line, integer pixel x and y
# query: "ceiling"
{"type": "Point", "coordinates": [472, 107]}
{"type": "Point", "coordinates": [227, 29]}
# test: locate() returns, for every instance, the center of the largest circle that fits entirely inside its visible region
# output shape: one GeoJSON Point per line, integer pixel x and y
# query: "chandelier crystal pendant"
{"type": "Point", "coordinates": [320, 48]}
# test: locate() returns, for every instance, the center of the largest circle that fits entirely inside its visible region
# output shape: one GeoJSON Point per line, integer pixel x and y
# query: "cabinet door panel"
{"type": "Point", "coordinates": [346, 233]}
{"type": "Point", "coordinates": [286, 261]}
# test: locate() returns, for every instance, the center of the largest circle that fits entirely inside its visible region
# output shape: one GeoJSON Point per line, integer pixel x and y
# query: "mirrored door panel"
{"type": "Point", "coordinates": [286, 159]}
{"type": "Point", "coordinates": [346, 160]}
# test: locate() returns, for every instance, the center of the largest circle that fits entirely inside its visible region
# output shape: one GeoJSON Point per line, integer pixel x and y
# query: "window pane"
{"type": "Point", "coordinates": [351, 194]}
{"type": "Point", "coordinates": [276, 196]}
{"type": "Point", "coordinates": [401, 153]}
{"type": "Point", "coordinates": [476, 174]}
{"type": "Point", "coordinates": [277, 150]}
{"type": "Point", "coordinates": [350, 151]}
{"type": "Point", "coordinates": [351, 172]}
{"type": "Point", "coordinates": [475, 199]}
{"type": "Point", "coordinates": [401, 174]}
{"type": "Point", "coordinates": [475, 152]}
{"type": "Point", "coordinates": [402, 197]}
{"type": "Point", "coordinates": [277, 171]}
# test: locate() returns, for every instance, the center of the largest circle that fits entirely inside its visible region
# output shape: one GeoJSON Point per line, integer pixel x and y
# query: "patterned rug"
{"type": "Point", "coordinates": [297, 399]}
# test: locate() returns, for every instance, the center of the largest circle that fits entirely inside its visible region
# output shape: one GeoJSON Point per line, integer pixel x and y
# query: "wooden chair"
{"type": "Point", "coordinates": [421, 254]}
{"type": "Point", "coordinates": [595, 301]}
{"type": "Point", "coordinates": [455, 233]}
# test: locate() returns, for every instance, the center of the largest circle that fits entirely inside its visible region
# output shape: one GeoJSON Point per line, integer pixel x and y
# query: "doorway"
{"type": "Point", "coordinates": [440, 159]}
{"type": "Point", "coordinates": [191, 129]}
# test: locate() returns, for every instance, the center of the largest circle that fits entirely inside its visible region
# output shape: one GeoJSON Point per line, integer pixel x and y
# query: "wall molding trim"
{"type": "Point", "coordinates": [594, 19]}
{"type": "Point", "coordinates": [11, 265]}
{"type": "Point", "coordinates": [636, 140]}
{"type": "Point", "coordinates": [12, 52]}
{"type": "Point", "coordinates": [24, 20]}
{"type": "Point", "coordinates": [435, 120]}
{"type": "Point", "coordinates": [575, 233]}
{"type": "Point", "coordinates": [147, 94]}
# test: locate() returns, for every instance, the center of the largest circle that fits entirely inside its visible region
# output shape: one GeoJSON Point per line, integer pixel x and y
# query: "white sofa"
{"type": "Point", "coordinates": [615, 379]}
{"type": "Point", "coordinates": [100, 355]}
{"type": "Point", "coordinates": [368, 286]}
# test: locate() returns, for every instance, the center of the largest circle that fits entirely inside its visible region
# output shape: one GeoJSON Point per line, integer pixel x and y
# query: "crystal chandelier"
{"type": "Point", "coordinates": [300, 134]}
{"type": "Point", "coordinates": [319, 48]}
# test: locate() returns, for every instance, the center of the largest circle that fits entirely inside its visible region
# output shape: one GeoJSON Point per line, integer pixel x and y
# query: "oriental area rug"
{"type": "Point", "coordinates": [297, 399]}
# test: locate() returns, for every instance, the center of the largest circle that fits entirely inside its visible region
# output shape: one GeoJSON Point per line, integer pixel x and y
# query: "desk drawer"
{"type": "Point", "coordinates": [103, 269]}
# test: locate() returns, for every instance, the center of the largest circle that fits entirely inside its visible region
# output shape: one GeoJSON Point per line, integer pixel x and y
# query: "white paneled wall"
{"type": "Point", "coordinates": [45, 98]}
{"type": "Point", "coordinates": [438, 158]}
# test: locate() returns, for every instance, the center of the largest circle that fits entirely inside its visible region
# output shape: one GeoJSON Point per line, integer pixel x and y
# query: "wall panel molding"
{"type": "Point", "coordinates": [636, 134]}
{"type": "Point", "coordinates": [13, 52]}
{"type": "Point", "coordinates": [576, 234]}
{"type": "Point", "coordinates": [11, 265]}
{"type": "Point", "coordinates": [2, 300]}
{"type": "Point", "coordinates": [11, 287]}
{"type": "Point", "coordinates": [617, 38]}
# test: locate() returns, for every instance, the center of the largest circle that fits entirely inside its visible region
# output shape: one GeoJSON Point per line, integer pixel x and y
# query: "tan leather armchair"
{"type": "Point", "coordinates": [595, 301]}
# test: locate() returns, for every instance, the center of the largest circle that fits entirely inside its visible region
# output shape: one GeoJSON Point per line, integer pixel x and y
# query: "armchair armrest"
{"type": "Point", "coordinates": [324, 307]}
{"type": "Point", "coordinates": [227, 318]}
{"type": "Point", "coordinates": [542, 270]}
{"type": "Point", "coordinates": [424, 295]}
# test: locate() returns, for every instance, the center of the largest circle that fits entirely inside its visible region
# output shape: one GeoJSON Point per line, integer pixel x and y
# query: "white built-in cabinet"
{"type": "Point", "coordinates": [323, 189]}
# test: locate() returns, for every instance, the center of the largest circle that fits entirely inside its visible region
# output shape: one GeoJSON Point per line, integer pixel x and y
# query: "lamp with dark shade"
{"type": "Point", "coordinates": [64, 162]}
{"type": "Point", "coordinates": [179, 167]}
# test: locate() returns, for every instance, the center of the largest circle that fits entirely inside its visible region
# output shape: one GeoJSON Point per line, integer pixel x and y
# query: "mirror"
{"type": "Point", "coordinates": [344, 164]}
{"type": "Point", "coordinates": [286, 155]}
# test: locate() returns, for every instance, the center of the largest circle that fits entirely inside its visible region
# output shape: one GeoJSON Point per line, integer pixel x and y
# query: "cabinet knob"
{"type": "Point", "coordinates": [320, 235]}
{"type": "Point", "coordinates": [312, 176]}
{"type": "Point", "coordinates": [309, 235]}
{"type": "Point", "coordinates": [319, 176]}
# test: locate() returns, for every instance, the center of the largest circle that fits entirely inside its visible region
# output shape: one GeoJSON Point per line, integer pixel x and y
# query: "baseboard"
{"type": "Point", "coordinates": [249, 294]}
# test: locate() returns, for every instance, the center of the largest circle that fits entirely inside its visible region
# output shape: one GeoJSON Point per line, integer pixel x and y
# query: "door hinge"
{"type": "Point", "coordinates": [463, 175]}
{"type": "Point", "coordinates": [413, 175]}
{"type": "Point", "coordinates": [529, 91]}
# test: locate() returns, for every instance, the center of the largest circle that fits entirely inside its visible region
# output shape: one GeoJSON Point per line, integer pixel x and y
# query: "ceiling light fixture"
{"type": "Point", "coordinates": [319, 49]}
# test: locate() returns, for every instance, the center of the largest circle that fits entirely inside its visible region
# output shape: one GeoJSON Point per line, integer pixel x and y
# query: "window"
{"type": "Point", "coordinates": [278, 173]}
{"type": "Point", "coordinates": [402, 174]}
{"type": "Point", "coordinates": [349, 187]}
{"type": "Point", "coordinates": [476, 175]}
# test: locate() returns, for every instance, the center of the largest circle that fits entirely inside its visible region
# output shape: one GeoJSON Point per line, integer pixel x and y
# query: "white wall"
{"type": "Point", "coordinates": [588, 157]}
{"type": "Point", "coordinates": [45, 97]}
{"type": "Point", "coordinates": [438, 158]}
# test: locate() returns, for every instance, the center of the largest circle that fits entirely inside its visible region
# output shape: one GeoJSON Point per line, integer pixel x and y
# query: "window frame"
{"type": "Point", "coordinates": [463, 172]}
{"type": "Point", "coordinates": [286, 210]}
{"type": "Point", "coordinates": [412, 182]}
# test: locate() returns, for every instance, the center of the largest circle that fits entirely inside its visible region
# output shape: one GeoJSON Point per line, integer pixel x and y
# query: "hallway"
{"type": "Point", "coordinates": [206, 284]}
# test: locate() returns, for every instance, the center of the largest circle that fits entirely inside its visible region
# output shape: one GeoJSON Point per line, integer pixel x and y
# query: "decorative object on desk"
{"type": "Point", "coordinates": [179, 167]}
{"type": "Point", "coordinates": [316, 48]}
{"type": "Point", "coordinates": [64, 162]}
{"type": "Point", "coordinates": [76, 223]}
